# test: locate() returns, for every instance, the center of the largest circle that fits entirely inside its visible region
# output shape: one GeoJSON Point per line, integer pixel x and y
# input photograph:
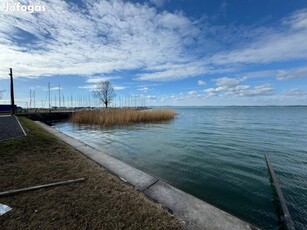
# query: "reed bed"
{"type": "Point", "coordinates": [122, 116]}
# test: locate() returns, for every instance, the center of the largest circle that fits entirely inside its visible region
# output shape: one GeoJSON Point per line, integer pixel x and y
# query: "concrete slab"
{"type": "Point", "coordinates": [69, 140]}
{"type": "Point", "coordinates": [195, 213]}
{"type": "Point", "coordinates": [133, 176]}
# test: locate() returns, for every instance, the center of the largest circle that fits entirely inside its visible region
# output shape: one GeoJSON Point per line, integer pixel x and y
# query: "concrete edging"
{"type": "Point", "coordinates": [20, 126]}
{"type": "Point", "coordinates": [195, 213]}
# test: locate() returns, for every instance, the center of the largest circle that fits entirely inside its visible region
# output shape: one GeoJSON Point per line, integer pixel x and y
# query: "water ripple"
{"type": "Point", "coordinates": [217, 154]}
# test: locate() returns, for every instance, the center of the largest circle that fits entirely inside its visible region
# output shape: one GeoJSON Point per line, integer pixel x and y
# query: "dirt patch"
{"type": "Point", "coordinates": [103, 201]}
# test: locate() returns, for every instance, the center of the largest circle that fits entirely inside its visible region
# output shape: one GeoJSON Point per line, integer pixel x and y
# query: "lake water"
{"type": "Point", "coordinates": [217, 155]}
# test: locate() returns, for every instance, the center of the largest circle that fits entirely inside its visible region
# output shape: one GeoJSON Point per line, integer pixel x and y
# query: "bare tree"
{"type": "Point", "coordinates": [104, 92]}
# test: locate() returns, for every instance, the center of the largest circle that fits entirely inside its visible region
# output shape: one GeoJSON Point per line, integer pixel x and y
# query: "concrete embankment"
{"type": "Point", "coordinates": [195, 213]}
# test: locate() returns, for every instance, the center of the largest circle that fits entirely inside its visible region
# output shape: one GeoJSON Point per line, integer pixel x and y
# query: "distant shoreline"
{"type": "Point", "coordinates": [205, 106]}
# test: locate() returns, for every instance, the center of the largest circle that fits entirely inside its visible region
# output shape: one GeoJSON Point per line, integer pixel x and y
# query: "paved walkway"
{"type": "Point", "coordinates": [10, 128]}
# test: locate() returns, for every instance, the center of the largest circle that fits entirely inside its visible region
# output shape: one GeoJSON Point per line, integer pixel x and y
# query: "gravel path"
{"type": "Point", "coordinates": [10, 128]}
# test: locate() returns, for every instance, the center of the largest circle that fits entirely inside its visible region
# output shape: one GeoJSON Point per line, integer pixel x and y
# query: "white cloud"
{"type": "Point", "coordinates": [231, 86]}
{"type": "Point", "coordinates": [295, 92]}
{"type": "Point", "coordinates": [292, 74]}
{"type": "Point", "coordinates": [297, 20]}
{"type": "Point", "coordinates": [258, 74]}
{"type": "Point", "coordinates": [111, 36]}
{"type": "Point", "coordinates": [99, 79]}
{"type": "Point", "coordinates": [182, 97]}
{"type": "Point", "coordinates": [151, 97]}
{"type": "Point", "coordinates": [280, 45]}
{"type": "Point", "coordinates": [174, 72]}
{"type": "Point", "coordinates": [158, 3]}
{"type": "Point", "coordinates": [261, 90]}
{"type": "Point", "coordinates": [117, 87]}
{"type": "Point", "coordinates": [92, 87]}
{"type": "Point", "coordinates": [55, 88]}
{"type": "Point", "coordinates": [213, 91]}
{"type": "Point", "coordinates": [145, 89]}
{"type": "Point", "coordinates": [227, 82]}
{"type": "Point", "coordinates": [106, 37]}
{"type": "Point", "coordinates": [201, 82]}
{"type": "Point", "coordinates": [192, 92]}
{"type": "Point", "coordinates": [280, 74]}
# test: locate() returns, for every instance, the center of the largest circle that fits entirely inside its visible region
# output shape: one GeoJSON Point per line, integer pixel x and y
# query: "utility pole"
{"type": "Point", "coordinates": [30, 99]}
{"type": "Point", "coordinates": [12, 94]}
{"type": "Point", "coordinates": [49, 95]}
{"type": "Point", "coordinates": [71, 102]}
{"type": "Point", "coordinates": [89, 100]}
{"type": "Point", "coordinates": [34, 98]}
{"type": "Point", "coordinates": [59, 96]}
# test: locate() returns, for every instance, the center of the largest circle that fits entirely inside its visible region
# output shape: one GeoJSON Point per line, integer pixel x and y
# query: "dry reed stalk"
{"type": "Point", "coordinates": [121, 116]}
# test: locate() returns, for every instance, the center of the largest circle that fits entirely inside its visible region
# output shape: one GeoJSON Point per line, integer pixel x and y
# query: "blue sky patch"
{"type": "Point", "coordinates": [163, 52]}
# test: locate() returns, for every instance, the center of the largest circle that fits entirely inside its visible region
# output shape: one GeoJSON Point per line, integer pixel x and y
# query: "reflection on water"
{"type": "Point", "coordinates": [217, 154]}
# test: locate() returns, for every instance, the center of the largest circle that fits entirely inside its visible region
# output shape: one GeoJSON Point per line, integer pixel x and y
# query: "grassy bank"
{"type": "Point", "coordinates": [121, 116]}
{"type": "Point", "coordinates": [103, 201]}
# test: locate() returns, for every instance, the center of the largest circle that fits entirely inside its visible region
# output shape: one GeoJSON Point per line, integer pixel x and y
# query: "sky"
{"type": "Point", "coordinates": [155, 52]}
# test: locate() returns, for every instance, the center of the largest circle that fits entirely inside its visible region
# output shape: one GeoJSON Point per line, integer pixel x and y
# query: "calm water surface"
{"type": "Point", "coordinates": [217, 155]}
